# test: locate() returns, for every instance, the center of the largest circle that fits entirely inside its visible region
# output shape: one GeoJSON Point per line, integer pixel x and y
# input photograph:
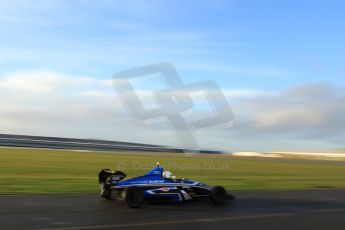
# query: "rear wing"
{"type": "Point", "coordinates": [107, 176]}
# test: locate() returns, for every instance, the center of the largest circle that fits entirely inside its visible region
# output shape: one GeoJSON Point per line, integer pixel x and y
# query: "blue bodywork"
{"type": "Point", "coordinates": [155, 186]}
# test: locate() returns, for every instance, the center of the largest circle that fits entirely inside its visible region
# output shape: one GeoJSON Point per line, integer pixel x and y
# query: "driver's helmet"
{"type": "Point", "coordinates": [167, 174]}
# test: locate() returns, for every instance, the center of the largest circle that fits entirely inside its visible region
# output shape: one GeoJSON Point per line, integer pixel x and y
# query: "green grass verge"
{"type": "Point", "coordinates": [28, 171]}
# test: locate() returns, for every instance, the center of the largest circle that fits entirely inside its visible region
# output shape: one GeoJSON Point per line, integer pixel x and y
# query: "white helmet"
{"type": "Point", "coordinates": [167, 174]}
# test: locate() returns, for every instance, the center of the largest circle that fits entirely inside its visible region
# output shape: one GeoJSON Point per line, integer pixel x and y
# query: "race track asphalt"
{"type": "Point", "coordinates": [314, 209]}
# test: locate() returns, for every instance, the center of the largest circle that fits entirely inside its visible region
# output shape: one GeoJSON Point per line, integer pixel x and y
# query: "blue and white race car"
{"type": "Point", "coordinates": [157, 184]}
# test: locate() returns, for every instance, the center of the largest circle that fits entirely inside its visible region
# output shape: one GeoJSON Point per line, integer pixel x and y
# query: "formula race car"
{"type": "Point", "coordinates": [157, 184]}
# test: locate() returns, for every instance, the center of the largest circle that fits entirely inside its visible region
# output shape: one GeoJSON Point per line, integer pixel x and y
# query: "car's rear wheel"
{"type": "Point", "coordinates": [105, 191]}
{"type": "Point", "coordinates": [133, 197]}
{"type": "Point", "coordinates": [218, 195]}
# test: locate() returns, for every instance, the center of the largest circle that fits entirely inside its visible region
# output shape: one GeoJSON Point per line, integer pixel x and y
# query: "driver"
{"type": "Point", "coordinates": [168, 175]}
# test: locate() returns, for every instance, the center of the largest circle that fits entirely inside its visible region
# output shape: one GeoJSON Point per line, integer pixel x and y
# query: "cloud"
{"type": "Point", "coordinates": [44, 102]}
{"type": "Point", "coordinates": [238, 70]}
{"type": "Point", "coordinates": [307, 116]}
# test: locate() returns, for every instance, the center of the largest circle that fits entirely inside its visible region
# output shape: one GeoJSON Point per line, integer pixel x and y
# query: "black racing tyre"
{"type": "Point", "coordinates": [133, 197]}
{"type": "Point", "coordinates": [218, 195]}
{"type": "Point", "coordinates": [105, 191]}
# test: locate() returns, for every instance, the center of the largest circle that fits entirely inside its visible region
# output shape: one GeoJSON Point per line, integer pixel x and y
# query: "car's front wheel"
{"type": "Point", "coordinates": [218, 195]}
{"type": "Point", "coordinates": [133, 197]}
